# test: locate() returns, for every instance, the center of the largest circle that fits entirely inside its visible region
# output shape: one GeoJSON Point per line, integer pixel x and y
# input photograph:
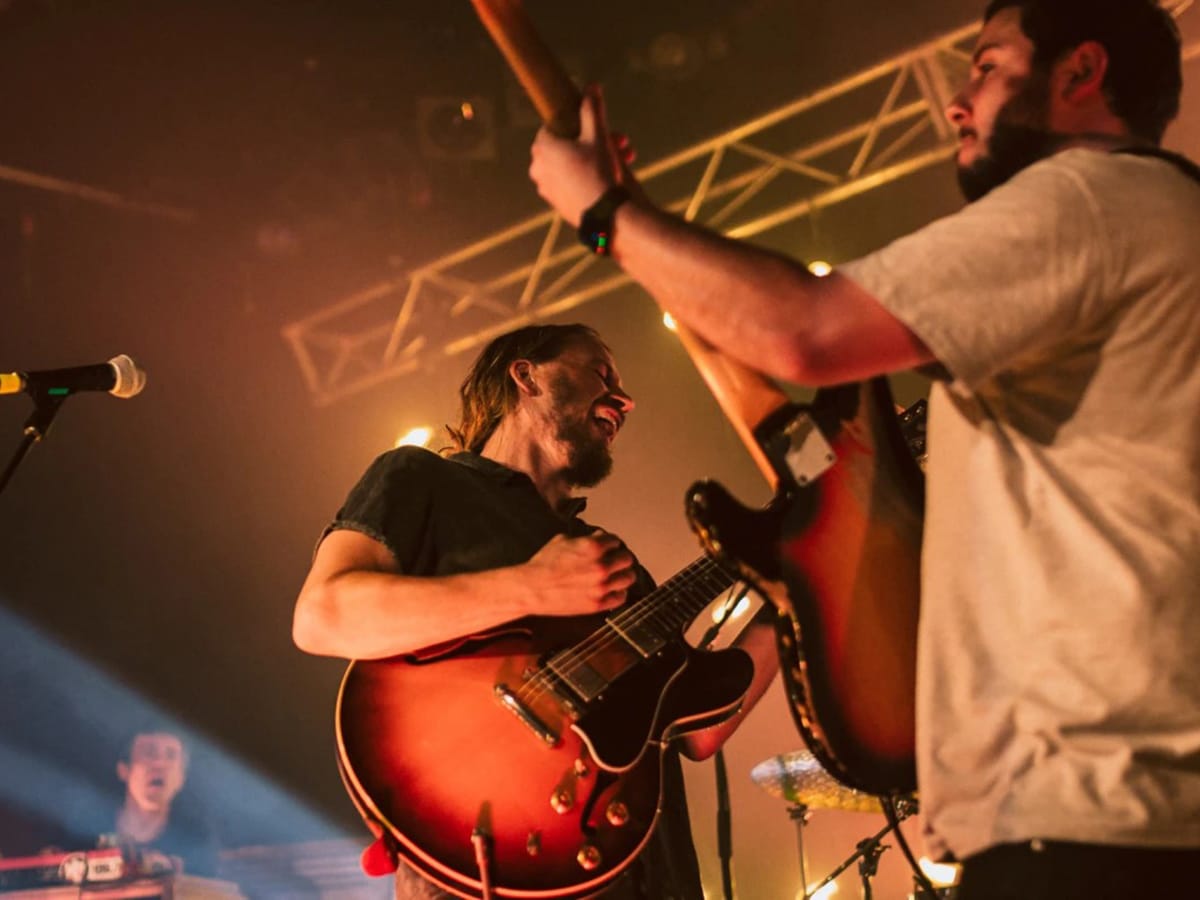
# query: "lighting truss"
{"type": "Point", "coordinates": [875, 127]}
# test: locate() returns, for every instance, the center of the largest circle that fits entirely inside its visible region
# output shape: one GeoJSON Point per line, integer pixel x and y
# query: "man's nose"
{"type": "Point", "coordinates": [623, 400]}
{"type": "Point", "coordinates": [958, 110]}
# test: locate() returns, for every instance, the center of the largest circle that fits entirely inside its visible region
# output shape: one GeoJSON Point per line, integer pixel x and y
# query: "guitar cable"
{"type": "Point", "coordinates": [724, 810]}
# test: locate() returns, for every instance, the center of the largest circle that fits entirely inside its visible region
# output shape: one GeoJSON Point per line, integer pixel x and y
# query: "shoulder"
{"type": "Point", "coordinates": [415, 464]}
{"type": "Point", "coordinates": [1114, 178]}
{"type": "Point", "coordinates": [414, 458]}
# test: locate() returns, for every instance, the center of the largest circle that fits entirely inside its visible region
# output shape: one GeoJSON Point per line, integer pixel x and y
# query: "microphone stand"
{"type": "Point", "coordinates": [44, 409]}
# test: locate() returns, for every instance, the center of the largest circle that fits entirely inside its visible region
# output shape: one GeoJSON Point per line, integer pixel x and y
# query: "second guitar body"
{"type": "Point", "coordinates": [838, 559]}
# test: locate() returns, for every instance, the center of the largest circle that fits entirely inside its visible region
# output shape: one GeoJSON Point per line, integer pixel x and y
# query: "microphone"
{"type": "Point", "coordinates": [120, 376]}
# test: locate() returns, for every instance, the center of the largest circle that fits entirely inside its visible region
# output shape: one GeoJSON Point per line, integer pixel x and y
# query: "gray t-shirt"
{"type": "Point", "coordinates": [1059, 658]}
{"type": "Point", "coordinates": [466, 513]}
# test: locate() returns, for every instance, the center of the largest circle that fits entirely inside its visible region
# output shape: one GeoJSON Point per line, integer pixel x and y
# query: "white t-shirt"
{"type": "Point", "coordinates": [1059, 658]}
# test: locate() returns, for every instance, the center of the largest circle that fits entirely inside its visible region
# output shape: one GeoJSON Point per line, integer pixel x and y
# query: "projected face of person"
{"type": "Point", "coordinates": [155, 772]}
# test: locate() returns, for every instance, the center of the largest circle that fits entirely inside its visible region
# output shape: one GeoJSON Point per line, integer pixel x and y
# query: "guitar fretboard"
{"type": "Point", "coordinates": [640, 630]}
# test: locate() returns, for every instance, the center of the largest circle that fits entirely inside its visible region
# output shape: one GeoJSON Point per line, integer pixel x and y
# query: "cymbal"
{"type": "Point", "coordinates": [798, 778]}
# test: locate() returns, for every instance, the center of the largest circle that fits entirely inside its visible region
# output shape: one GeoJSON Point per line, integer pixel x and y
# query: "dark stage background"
{"type": "Point", "coordinates": [151, 549]}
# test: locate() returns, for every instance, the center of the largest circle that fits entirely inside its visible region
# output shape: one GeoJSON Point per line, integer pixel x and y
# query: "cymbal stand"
{"type": "Point", "coordinates": [868, 851]}
{"type": "Point", "coordinates": [798, 813]}
{"type": "Point", "coordinates": [868, 863]}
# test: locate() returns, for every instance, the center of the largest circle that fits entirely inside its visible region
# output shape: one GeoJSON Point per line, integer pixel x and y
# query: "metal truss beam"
{"type": "Point", "coordinates": [91, 194]}
{"type": "Point", "coordinates": [759, 176]}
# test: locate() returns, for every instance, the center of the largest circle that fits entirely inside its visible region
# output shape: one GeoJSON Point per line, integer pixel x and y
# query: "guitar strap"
{"type": "Point", "coordinates": [1178, 160]}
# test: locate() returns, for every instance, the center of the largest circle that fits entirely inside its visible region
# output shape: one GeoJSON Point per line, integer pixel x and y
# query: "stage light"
{"type": "Point", "coordinates": [415, 437]}
{"type": "Point", "coordinates": [820, 268]}
{"type": "Point", "coordinates": [739, 610]}
{"type": "Point", "coordinates": [940, 874]}
{"type": "Point", "coordinates": [456, 128]}
{"type": "Point", "coordinates": [669, 321]}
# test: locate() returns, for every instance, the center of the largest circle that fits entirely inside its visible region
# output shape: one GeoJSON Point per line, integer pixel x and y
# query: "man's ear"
{"type": "Point", "coordinates": [1082, 72]}
{"type": "Point", "coordinates": [521, 372]}
{"type": "Point", "coordinates": [123, 771]}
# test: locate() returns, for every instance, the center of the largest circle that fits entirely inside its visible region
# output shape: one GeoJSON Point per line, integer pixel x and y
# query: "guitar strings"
{"type": "Point", "coordinates": [568, 662]}
{"type": "Point", "coordinates": [703, 572]}
{"type": "Point", "coordinates": [647, 607]}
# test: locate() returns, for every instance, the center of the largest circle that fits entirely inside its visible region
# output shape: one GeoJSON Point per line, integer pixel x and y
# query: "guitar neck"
{"type": "Point", "coordinates": [643, 628]}
{"type": "Point", "coordinates": [745, 396]}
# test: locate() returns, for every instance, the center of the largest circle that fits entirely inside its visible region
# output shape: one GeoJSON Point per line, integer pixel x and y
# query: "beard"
{"type": "Point", "coordinates": [1020, 137]}
{"type": "Point", "coordinates": [589, 460]}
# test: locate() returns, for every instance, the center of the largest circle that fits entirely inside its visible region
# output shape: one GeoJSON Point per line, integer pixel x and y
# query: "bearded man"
{"type": "Point", "coordinates": [430, 548]}
{"type": "Point", "coordinates": [1058, 693]}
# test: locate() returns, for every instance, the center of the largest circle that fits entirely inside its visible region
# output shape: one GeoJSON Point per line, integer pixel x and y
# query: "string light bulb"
{"type": "Point", "coordinates": [820, 268]}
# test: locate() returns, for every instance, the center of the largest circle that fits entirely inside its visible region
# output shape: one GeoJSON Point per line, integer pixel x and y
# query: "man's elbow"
{"type": "Point", "coordinates": [312, 627]}
{"type": "Point", "coordinates": [803, 359]}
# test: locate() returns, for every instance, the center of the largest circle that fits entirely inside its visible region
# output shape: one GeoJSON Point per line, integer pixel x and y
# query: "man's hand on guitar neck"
{"type": "Point", "coordinates": [578, 576]}
{"type": "Point", "coordinates": [572, 174]}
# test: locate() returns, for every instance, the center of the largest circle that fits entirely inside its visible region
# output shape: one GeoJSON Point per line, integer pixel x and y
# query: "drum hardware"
{"type": "Point", "coordinates": [867, 852]}
{"type": "Point", "coordinates": [798, 778]}
{"type": "Point", "coordinates": [798, 812]}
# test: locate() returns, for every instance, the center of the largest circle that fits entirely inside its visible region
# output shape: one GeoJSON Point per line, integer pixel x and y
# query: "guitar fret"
{"type": "Point", "coordinates": [630, 638]}
{"type": "Point", "coordinates": [644, 628]}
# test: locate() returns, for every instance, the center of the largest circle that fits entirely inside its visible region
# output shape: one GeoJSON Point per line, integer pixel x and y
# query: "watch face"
{"type": "Point", "coordinates": [73, 869]}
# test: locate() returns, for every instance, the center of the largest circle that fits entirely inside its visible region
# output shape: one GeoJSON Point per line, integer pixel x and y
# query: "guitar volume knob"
{"type": "Point", "coordinates": [617, 813]}
{"type": "Point", "coordinates": [561, 802]}
{"type": "Point", "coordinates": [588, 857]}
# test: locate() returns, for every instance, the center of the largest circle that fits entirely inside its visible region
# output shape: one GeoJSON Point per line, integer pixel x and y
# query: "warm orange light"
{"type": "Point", "coordinates": [940, 874]}
{"type": "Point", "coordinates": [824, 893]}
{"type": "Point", "coordinates": [820, 268]}
{"type": "Point", "coordinates": [415, 437]}
{"type": "Point", "coordinates": [739, 610]}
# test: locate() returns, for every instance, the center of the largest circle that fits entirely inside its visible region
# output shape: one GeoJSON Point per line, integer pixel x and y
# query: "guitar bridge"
{"type": "Point", "coordinates": [513, 704]}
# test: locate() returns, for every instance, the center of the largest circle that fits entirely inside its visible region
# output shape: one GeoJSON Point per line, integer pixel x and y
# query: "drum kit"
{"type": "Point", "coordinates": [799, 778]}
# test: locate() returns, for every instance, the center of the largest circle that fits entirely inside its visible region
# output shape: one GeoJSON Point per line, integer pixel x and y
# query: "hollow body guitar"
{"type": "Point", "coordinates": [531, 758]}
{"type": "Point", "coordinates": [837, 551]}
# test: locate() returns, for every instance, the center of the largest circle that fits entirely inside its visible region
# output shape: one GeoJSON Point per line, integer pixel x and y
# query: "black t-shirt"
{"type": "Point", "coordinates": [466, 513]}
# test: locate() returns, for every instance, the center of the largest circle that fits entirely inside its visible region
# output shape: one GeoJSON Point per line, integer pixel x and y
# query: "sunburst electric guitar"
{"type": "Point", "coordinates": [527, 762]}
{"type": "Point", "coordinates": [837, 550]}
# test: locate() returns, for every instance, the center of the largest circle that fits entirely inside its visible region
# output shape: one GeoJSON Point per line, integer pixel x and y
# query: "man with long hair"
{"type": "Point", "coordinates": [429, 548]}
{"type": "Point", "coordinates": [1058, 733]}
